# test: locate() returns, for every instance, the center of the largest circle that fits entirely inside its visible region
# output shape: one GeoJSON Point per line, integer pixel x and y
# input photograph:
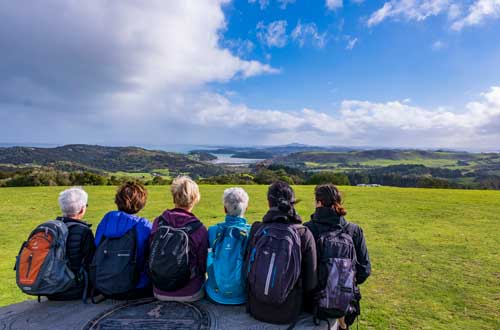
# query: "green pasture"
{"type": "Point", "coordinates": [435, 253]}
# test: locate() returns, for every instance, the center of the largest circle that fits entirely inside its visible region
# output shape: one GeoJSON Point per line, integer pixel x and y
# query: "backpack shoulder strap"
{"type": "Point", "coordinates": [192, 227]}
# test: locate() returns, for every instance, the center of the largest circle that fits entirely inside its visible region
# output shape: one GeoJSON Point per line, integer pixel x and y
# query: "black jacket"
{"type": "Point", "coordinates": [326, 219]}
{"type": "Point", "coordinates": [292, 307]}
{"type": "Point", "coordinates": [80, 250]}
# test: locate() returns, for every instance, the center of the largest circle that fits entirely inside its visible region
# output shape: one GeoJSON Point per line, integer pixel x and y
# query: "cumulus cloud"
{"type": "Point", "coordinates": [354, 122]}
{"type": "Point", "coordinates": [394, 123]}
{"type": "Point", "coordinates": [477, 13]}
{"type": "Point", "coordinates": [308, 33]}
{"type": "Point", "coordinates": [272, 34]}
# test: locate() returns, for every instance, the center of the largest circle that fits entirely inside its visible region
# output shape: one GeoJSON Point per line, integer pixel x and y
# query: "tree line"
{"type": "Point", "coordinates": [398, 176]}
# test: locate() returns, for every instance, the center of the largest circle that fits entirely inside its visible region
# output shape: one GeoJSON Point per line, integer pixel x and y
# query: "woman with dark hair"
{"type": "Point", "coordinates": [281, 260]}
{"type": "Point", "coordinates": [130, 198]}
{"type": "Point", "coordinates": [329, 219]}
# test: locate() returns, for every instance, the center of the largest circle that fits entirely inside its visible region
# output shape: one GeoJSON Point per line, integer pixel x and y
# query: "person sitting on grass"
{"type": "Point", "coordinates": [119, 264]}
{"type": "Point", "coordinates": [179, 243]}
{"type": "Point", "coordinates": [337, 239]}
{"type": "Point", "coordinates": [80, 242]}
{"type": "Point", "coordinates": [227, 244]}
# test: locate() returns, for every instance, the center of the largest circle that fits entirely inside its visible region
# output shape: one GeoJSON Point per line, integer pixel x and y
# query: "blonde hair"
{"type": "Point", "coordinates": [185, 192]}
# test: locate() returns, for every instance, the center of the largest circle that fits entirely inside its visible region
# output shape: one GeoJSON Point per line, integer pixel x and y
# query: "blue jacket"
{"type": "Point", "coordinates": [116, 224]}
{"type": "Point", "coordinates": [210, 286]}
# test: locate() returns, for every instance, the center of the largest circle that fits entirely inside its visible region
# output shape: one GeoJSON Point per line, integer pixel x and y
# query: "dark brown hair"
{"type": "Point", "coordinates": [330, 196]}
{"type": "Point", "coordinates": [131, 197]}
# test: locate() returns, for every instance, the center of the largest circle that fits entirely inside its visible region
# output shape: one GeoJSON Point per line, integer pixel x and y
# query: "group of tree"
{"type": "Point", "coordinates": [399, 176]}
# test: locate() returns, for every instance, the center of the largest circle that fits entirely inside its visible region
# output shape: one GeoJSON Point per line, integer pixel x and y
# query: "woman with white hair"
{"type": "Point", "coordinates": [80, 246]}
{"type": "Point", "coordinates": [227, 245]}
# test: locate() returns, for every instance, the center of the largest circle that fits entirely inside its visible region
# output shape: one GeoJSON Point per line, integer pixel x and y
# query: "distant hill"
{"type": "Point", "coordinates": [109, 159]}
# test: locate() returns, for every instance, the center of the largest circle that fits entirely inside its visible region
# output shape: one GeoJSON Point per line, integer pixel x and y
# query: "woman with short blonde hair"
{"type": "Point", "coordinates": [185, 192]}
{"type": "Point", "coordinates": [186, 195]}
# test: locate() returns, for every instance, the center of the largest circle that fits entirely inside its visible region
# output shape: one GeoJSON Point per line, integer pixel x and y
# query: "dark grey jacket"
{"type": "Point", "coordinates": [326, 219]}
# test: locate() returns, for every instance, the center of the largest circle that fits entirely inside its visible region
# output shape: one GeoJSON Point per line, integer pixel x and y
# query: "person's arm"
{"type": "Point", "coordinates": [87, 247]}
{"type": "Point", "coordinates": [363, 267]}
{"type": "Point", "coordinates": [309, 262]}
{"type": "Point", "coordinates": [203, 250]}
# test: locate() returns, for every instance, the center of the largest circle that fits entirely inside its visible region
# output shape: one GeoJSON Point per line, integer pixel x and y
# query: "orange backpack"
{"type": "Point", "coordinates": [42, 266]}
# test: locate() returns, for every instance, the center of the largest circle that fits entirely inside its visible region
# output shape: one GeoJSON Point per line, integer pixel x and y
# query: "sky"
{"type": "Point", "coordinates": [390, 73]}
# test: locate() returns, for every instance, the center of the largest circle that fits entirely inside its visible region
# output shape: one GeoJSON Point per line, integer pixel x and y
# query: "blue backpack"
{"type": "Point", "coordinates": [227, 267]}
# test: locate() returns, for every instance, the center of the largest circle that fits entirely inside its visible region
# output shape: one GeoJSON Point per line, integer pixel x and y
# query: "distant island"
{"type": "Point", "coordinates": [294, 163]}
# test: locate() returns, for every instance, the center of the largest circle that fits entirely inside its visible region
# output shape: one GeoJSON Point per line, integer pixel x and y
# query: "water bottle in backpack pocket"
{"type": "Point", "coordinates": [228, 254]}
{"type": "Point", "coordinates": [169, 262]}
{"type": "Point", "coordinates": [274, 263]}
{"type": "Point", "coordinates": [114, 267]}
{"type": "Point", "coordinates": [337, 274]}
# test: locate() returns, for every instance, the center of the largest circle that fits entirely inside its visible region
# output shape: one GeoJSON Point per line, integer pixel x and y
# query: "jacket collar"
{"type": "Point", "coordinates": [328, 216]}
{"type": "Point", "coordinates": [66, 219]}
{"type": "Point", "coordinates": [276, 215]}
{"type": "Point", "coordinates": [231, 220]}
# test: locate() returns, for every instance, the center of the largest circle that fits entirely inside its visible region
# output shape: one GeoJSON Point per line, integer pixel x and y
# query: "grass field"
{"type": "Point", "coordinates": [435, 257]}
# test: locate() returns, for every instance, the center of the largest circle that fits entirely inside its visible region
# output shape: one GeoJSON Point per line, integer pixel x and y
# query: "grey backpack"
{"type": "Point", "coordinates": [42, 267]}
{"type": "Point", "coordinates": [337, 274]}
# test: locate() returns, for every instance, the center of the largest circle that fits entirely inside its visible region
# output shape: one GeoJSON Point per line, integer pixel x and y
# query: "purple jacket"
{"type": "Point", "coordinates": [179, 218]}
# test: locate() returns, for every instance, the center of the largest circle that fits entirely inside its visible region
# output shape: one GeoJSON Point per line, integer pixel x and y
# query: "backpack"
{"type": "Point", "coordinates": [169, 266]}
{"type": "Point", "coordinates": [42, 266]}
{"type": "Point", "coordinates": [275, 262]}
{"type": "Point", "coordinates": [336, 274]}
{"type": "Point", "coordinates": [228, 253]}
{"type": "Point", "coordinates": [114, 270]}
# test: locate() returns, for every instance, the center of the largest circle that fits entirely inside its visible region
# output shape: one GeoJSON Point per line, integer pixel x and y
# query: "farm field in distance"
{"type": "Point", "coordinates": [434, 252]}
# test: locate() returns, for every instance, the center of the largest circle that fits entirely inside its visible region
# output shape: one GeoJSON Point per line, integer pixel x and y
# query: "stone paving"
{"type": "Point", "coordinates": [137, 314]}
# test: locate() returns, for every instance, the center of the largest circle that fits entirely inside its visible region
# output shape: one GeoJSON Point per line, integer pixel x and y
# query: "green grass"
{"type": "Point", "coordinates": [434, 252]}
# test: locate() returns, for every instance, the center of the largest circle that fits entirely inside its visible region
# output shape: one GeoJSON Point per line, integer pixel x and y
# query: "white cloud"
{"type": "Point", "coordinates": [391, 124]}
{"type": "Point", "coordinates": [303, 33]}
{"type": "Point", "coordinates": [437, 45]}
{"type": "Point", "coordinates": [241, 48]}
{"type": "Point", "coordinates": [273, 34]}
{"type": "Point", "coordinates": [416, 10]}
{"type": "Point", "coordinates": [334, 4]}
{"type": "Point", "coordinates": [477, 13]}
{"type": "Point", "coordinates": [351, 42]}
{"type": "Point", "coordinates": [420, 10]}
{"type": "Point", "coordinates": [285, 3]}
{"type": "Point", "coordinates": [263, 4]}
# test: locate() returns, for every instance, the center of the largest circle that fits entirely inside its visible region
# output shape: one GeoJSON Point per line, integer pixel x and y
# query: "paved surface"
{"type": "Point", "coordinates": [137, 314]}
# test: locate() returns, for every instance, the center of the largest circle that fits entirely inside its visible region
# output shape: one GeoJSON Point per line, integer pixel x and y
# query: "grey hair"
{"type": "Point", "coordinates": [235, 201]}
{"type": "Point", "coordinates": [72, 201]}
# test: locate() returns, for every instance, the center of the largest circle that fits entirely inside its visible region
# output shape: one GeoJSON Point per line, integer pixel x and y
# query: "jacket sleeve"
{"type": "Point", "coordinates": [309, 262]}
{"type": "Point", "coordinates": [203, 251]}
{"type": "Point", "coordinates": [363, 268]}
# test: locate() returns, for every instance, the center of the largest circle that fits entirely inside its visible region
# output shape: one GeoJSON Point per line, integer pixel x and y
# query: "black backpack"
{"type": "Point", "coordinates": [114, 267]}
{"type": "Point", "coordinates": [336, 274]}
{"type": "Point", "coordinates": [168, 265]}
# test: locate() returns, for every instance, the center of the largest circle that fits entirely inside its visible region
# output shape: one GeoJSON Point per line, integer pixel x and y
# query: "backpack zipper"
{"type": "Point", "coordinates": [269, 273]}
{"type": "Point", "coordinates": [30, 259]}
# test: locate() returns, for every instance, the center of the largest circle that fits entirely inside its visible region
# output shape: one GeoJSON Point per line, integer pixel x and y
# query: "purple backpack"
{"type": "Point", "coordinates": [337, 274]}
{"type": "Point", "coordinates": [275, 262]}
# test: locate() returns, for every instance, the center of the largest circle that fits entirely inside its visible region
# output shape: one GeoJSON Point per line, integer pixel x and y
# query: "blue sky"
{"type": "Point", "coordinates": [397, 73]}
